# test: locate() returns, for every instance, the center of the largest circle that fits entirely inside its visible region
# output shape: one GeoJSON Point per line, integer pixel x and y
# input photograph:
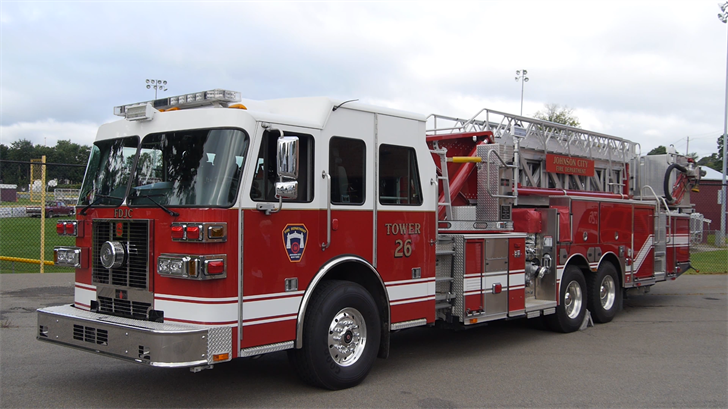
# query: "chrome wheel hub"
{"type": "Point", "coordinates": [607, 292]}
{"type": "Point", "coordinates": [347, 336]}
{"type": "Point", "coordinates": [573, 299]}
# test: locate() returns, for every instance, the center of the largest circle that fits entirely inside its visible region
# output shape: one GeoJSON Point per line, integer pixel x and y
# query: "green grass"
{"type": "Point", "coordinates": [20, 237]}
{"type": "Point", "coordinates": [710, 262]}
{"type": "Point", "coordinates": [20, 203]}
{"type": "Point", "coordinates": [710, 240]}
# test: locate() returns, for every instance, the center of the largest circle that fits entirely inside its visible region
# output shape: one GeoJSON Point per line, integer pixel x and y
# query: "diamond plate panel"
{"type": "Point", "coordinates": [458, 274]}
{"type": "Point", "coordinates": [488, 207]}
{"type": "Point", "coordinates": [219, 341]}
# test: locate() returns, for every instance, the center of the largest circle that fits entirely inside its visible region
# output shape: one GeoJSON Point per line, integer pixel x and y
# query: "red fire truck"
{"type": "Point", "coordinates": [211, 228]}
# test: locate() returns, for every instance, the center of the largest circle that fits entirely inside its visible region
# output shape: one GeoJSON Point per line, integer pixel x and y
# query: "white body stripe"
{"type": "Point", "coordinates": [267, 321]}
{"type": "Point", "coordinates": [86, 286]}
{"type": "Point", "coordinates": [273, 295]}
{"type": "Point", "coordinates": [200, 299]}
{"type": "Point", "coordinates": [502, 279]}
{"type": "Point", "coordinates": [414, 300]}
{"type": "Point", "coordinates": [680, 240]}
{"type": "Point", "coordinates": [271, 308]}
{"type": "Point", "coordinates": [416, 288]}
{"type": "Point", "coordinates": [189, 311]}
{"type": "Point", "coordinates": [84, 294]}
{"type": "Point", "coordinates": [516, 280]}
{"type": "Point", "coordinates": [470, 284]}
{"type": "Point", "coordinates": [642, 254]}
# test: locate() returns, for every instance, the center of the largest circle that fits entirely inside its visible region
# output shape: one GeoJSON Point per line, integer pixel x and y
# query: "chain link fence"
{"type": "Point", "coordinates": [708, 254]}
{"type": "Point", "coordinates": [20, 220]}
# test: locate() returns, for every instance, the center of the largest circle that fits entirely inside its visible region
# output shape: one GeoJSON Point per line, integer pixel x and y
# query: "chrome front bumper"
{"type": "Point", "coordinates": [145, 342]}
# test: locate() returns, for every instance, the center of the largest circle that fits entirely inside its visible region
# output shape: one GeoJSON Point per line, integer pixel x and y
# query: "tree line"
{"type": "Point", "coordinates": [65, 153]}
{"type": "Point", "coordinates": [713, 161]}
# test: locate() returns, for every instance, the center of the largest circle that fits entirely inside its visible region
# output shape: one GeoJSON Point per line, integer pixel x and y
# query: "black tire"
{"type": "Point", "coordinates": [604, 293]}
{"type": "Point", "coordinates": [570, 312]}
{"type": "Point", "coordinates": [346, 310]}
{"type": "Point", "coordinates": [49, 215]}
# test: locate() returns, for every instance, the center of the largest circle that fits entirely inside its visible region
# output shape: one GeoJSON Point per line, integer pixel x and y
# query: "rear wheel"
{"type": "Point", "coordinates": [572, 302]}
{"type": "Point", "coordinates": [340, 336]}
{"type": "Point", "coordinates": [603, 293]}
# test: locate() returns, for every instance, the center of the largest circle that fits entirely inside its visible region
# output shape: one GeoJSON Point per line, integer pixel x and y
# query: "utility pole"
{"type": "Point", "coordinates": [523, 78]}
{"type": "Point", "coordinates": [687, 148]}
{"type": "Point", "coordinates": [723, 17]}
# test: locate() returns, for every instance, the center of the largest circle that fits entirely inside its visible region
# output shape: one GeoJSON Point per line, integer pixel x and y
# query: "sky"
{"type": "Point", "coordinates": [653, 72]}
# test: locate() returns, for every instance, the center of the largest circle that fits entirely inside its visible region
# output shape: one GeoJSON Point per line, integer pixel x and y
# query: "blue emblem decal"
{"type": "Point", "coordinates": [294, 240]}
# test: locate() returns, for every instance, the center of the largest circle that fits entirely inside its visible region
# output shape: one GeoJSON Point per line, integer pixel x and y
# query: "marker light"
{"type": "Point", "coordinates": [215, 267]}
{"type": "Point", "coordinates": [221, 357]}
{"type": "Point", "coordinates": [207, 232]}
{"type": "Point", "coordinates": [140, 112]}
{"type": "Point", "coordinates": [193, 232]}
{"type": "Point", "coordinates": [178, 232]}
{"type": "Point", "coordinates": [68, 228]}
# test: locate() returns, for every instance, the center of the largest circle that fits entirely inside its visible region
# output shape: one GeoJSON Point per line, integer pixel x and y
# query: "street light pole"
{"type": "Point", "coordinates": [723, 17]}
{"type": "Point", "coordinates": [158, 85]}
{"type": "Point", "coordinates": [523, 78]}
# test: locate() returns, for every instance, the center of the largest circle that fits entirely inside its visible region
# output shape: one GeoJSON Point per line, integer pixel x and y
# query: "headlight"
{"type": "Point", "coordinates": [67, 256]}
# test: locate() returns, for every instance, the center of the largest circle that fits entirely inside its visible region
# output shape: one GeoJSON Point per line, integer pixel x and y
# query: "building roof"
{"type": "Point", "coordinates": [711, 174]}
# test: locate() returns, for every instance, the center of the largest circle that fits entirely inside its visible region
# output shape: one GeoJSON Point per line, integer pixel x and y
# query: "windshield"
{"type": "Point", "coordinates": [199, 167]}
{"type": "Point", "coordinates": [107, 175]}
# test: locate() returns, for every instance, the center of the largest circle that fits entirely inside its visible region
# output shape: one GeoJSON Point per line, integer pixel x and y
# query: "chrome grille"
{"type": "Point", "coordinates": [134, 236]}
{"type": "Point", "coordinates": [124, 308]}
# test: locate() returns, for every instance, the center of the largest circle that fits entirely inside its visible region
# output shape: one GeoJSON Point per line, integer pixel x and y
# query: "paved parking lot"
{"type": "Point", "coordinates": [668, 348]}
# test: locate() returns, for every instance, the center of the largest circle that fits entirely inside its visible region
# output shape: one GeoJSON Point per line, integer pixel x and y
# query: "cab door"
{"type": "Point", "coordinates": [406, 201]}
{"type": "Point", "coordinates": [281, 249]}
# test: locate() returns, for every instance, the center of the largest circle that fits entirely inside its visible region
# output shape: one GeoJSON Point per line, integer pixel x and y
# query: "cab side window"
{"type": "Point", "coordinates": [347, 168]}
{"type": "Point", "coordinates": [266, 175]}
{"type": "Point", "coordinates": [399, 180]}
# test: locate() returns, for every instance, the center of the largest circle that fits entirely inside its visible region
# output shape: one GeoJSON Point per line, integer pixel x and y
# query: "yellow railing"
{"type": "Point", "coordinates": [25, 260]}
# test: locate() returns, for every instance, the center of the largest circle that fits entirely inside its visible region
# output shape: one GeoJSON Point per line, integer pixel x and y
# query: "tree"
{"type": "Point", "coordinates": [558, 114]}
{"type": "Point", "coordinates": [715, 160]}
{"type": "Point", "coordinates": [660, 150]}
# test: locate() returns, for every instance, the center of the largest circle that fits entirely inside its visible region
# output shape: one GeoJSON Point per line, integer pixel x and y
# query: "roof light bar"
{"type": "Point", "coordinates": [196, 99]}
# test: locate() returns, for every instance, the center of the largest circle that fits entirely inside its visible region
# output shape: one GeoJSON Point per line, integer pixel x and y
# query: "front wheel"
{"type": "Point", "coordinates": [572, 302]}
{"type": "Point", "coordinates": [603, 293]}
{"type": "Point", "coordinates": [340, 336]}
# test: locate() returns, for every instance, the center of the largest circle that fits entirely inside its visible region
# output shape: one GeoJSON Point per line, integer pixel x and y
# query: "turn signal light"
{"type": "Point", "coordinates": [178, 232]}
{"type": "Point", "coordinates": [193, 233]}
{"type": "Point", "coordinates": [216, 232]}
{"type": "Point", "coordinates": [67, 228]}
{"type": "Point", "coordinates": [497, 288]}
{"type": "Point", "coordinates": [215, 267]}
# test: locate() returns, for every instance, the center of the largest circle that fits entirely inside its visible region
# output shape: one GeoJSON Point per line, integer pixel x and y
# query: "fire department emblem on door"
{"type": "Point", "coordinates": [294, 241]}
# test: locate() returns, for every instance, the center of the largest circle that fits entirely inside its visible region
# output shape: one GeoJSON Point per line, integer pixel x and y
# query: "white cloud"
{"type": "Point", "coordinates": [48, 132]}
{"type": "Point", "coordinates": [650, 71]}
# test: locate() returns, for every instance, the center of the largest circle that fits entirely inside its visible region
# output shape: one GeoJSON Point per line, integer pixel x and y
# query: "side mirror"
{"type": "Point", "coordinates": [287, 190]}
{"type": "Point", "coordinates": [287, 156]}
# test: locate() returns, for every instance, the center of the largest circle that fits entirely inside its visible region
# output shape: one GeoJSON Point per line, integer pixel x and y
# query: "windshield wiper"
{"type": "Point", "coordinates": [161, 206]}
{"type": "Point", "coordinates": [97, 200]}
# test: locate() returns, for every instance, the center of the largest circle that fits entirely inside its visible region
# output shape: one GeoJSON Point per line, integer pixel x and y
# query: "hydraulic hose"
{"type": "Point", "coordinates": [666, 183]}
